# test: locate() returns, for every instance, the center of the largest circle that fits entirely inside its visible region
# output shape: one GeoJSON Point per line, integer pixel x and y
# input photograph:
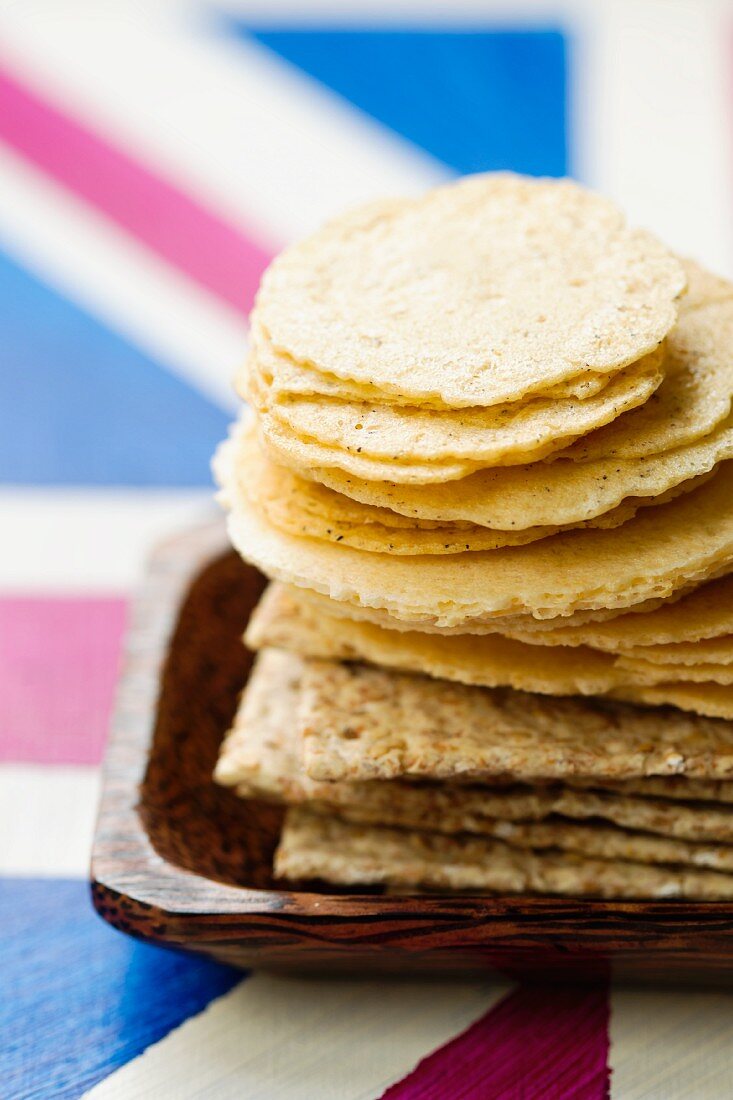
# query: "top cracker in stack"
{"type": "Point", "coordinates": [492, 444]}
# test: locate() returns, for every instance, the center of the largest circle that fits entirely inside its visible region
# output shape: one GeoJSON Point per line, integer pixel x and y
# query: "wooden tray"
{"type": "Point", "coordinates": [184, 863]}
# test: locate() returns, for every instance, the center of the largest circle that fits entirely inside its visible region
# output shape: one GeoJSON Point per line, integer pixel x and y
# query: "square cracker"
{"type": "Point", "coordinates": [261, 758]}
{"type": "Point", "coordinates": [360, 722]}
{"type": "Point", "coordinates": [316, 846]}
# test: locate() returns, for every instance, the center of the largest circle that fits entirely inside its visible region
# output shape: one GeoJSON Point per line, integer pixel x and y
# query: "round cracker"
{"type": "Point", "coordinates": [302, 507]}
{"type": "Point", "coordinates": [715, 651]}
{"type": "Point", "coordinates": [706, 612]}
{"type": "Point", "coordinates": [697, 390]}
{"type": "Point", "coordinates": [660, 550]}
{"type": "Point", "coordinates": [647, 672]}
{"type": "Point", "coordinates": [512, 626]}
{"type": "Point", "coordinates": [303, 455]}
{"type": "Point", "coordinates": [540, 494]}
{"type": "Point", "coordinates": [286, 379]}
{"type": "Point", "coordinates": [502, 435]}
{"type": "Point", "coordinates": [480, 292]}
{"type": "Point", "coordinates": [288, 621]}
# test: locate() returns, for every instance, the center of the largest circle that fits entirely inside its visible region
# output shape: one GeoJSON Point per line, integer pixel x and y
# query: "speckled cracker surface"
{"type": "Point", "coordinates": [479, 292]}
{"type": "Point", "coordinates": [696, 393]}
{"type": "Point", "coordinates": [706, 612]}
{"type": "Point", "coordinates": [660, 550]}
{"type": "Point", "coordinates": [562, 492]}
{"type": "Point", "coordinates": [303, 507]}
{"type": "Point", "coordinates": [261, 757]}
{"type": "Point", "coordinates": [502, 435]}
{"type": "Point", "coordinates": [316, 846]}
{"type": "Point", "coordinates": [287, 378]}
{"type": "Point", "coordinates": [303, 456]}
{"type": "Point", "coordinates": [367, 723]}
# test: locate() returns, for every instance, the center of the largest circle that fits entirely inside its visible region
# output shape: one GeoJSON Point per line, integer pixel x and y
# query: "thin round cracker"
{"type": "Point", "coordinates": [648, 672]}
{"type": "Point", "coordinates": [562, 493]}
{"type": "Point", "coordinates": [480, 292]}
{"type": "Point", "coordinates": [710, 700]}
{"type": "Point", "coordinates": [302, 507]}
{"type": "Point", "coordinates": [287, 621]}
{"type": "Point", "coordinates": [714, 651]}
{"type": "Point", "coordinates": [502, 435]}
{"type": "Point", "coordinates": [660, 550]}
{"type": "Point", "coordinates": [697, 390]}
{"type": "Point", "coordinates": [303, 455]}
{"type": "Point", "coordinates": [704, 613]}
{"type": "Point", "coordinates": [285, 379]}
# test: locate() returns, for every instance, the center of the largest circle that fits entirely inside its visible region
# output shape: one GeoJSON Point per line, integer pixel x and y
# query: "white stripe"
{"type": "Point", "coordinates": [119, 281]}
{"type": "Point", "coordinates": [89, 540]}
{"type": "Point", "coordinates": [47, 819]}
{"type": "Point", "coordinates": [656, 128]}
{"type": "Point", "coordinates": [232, 123]}
{"type": "Point", "coordinates": [276, 1038]}
{"type": "Point", "coordinates": [472, 14]}
{"type": "Point", "coordinates": [671, 1045]}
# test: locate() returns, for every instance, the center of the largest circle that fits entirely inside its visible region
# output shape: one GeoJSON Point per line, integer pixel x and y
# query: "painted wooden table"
{"type": "Point", "coordinates": [152, 157]}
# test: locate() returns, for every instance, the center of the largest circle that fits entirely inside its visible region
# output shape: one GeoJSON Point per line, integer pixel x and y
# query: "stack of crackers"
{"type": "Point", "coordinates": [489, 470]}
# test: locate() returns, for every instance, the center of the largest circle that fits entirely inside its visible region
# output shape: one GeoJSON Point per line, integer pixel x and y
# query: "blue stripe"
{"type": "Point", "coordinates": [79, 1000]}
{"type": "Point", "coordinates": [83, 406]}
{"type": "Point", "coordinates": [475, 99]}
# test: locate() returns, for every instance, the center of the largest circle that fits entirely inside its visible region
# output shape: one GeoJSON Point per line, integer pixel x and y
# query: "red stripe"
{"type": "Point", "coordinates": [196, 241]}
{"type": "Point", "coordinates": [537, 1042]}
{"type": "Point", "coordinates": [58, 666]}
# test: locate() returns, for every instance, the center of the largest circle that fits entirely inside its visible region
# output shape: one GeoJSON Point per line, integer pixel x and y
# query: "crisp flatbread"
{"type": "Point", "coordinates": [363, 723]}
{"type": "Point", "coordinates": [502, 435]}
{"type": "Point", "coordinates": [302, 507]}
{"type": "Point", "coordinates": [287, 378]}
{"type": "Point", "coordinates": [480, 292]}
{"type": "Point", "coordinates": [651, 672]}
{"type": "Point", "coordinates": [313, 846]}
{"type": "Point", "coordinates": [713, 700]}
{"type": "Point", "coordinates": [261, 757]}
{"type": "Point", "coordinates": [306, 456]}
{"type": "Point", "coordinates": [704, 613]}
{"type": "Point", "coordinates": [660, 550]}
{"type": "Point", "coordinates": [284, 619]}
{"type": "Point", "coordinates": [715, 651]}
{"type": "Point", "coordinates": [698, 387]}
{"type": "Point", "coordinates": [563, 492]}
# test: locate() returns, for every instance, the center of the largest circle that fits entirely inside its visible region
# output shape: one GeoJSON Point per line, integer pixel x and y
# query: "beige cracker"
{"type": "Point", "coordinates": [314, 846]}
{"type": "Point", "coordinates": [502, 435]}
{"type": "Point", "coordinates": [301, 507]}
{"type": "Point", "coordinates": [367, 723]}
{"type": "Point", "coordinates": [286, 620]}
{"type": "Point", "coordinates": [481, 292]}
{"type": "Point", "coordinates": [660, 550]}
{"type": "Point", "coordinates": [261, 757]}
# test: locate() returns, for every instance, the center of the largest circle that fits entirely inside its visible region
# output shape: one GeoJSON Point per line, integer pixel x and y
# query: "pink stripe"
{"type": "Point", "coordinates": [537, 1042]}
{"type": "Point", "coordinates": [186, 234]}
{"type": "Point", "coordinates": [58, 667]}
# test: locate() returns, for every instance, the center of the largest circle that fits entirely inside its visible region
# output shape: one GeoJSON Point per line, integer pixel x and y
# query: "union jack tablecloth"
{"type": "Point", "coordinates": [153, 156]}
